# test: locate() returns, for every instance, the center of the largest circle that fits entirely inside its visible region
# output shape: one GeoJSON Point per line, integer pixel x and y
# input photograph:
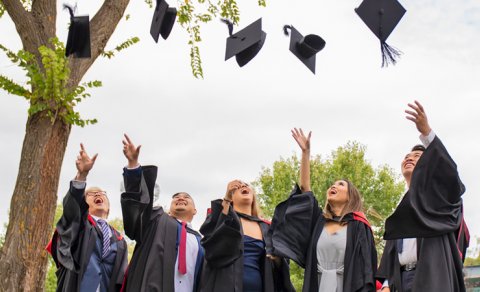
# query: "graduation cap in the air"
{"type": "Point", "coordinates": [306, 47]}
{"type": "Point", "coordinates": [78, 41]}
{"type": "Point", "coordinates": [381, 16]}
{"type": "Point", "coordinates": [245, 44]}
{"type": "Point", "coordinates": [163, 20]}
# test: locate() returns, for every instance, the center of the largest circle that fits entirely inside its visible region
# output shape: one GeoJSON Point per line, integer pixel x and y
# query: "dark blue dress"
{"type": "Point", "coordinates": [253, 255]}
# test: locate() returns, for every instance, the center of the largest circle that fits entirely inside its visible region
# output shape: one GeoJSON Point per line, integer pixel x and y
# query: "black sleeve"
{"type": "Point", "coordinates": [137, 201]}
{"type": "Point", "coordinates": [292, 225]}
{"type": "Point", "coordinates": [222, 238]}
{"type": "Point", "coordinates": [386, 270]}
{"type": "Point", "coordinates": [432, 205]}
{"type": "Point", "coordinates": [69, 228]}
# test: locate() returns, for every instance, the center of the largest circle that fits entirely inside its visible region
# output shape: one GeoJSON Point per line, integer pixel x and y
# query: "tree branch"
{"type": "Point", "coordinates": [102, 26]}
{"type": "Point", "coordinates": [45, 14]}
{"type": "Point", "coordinates": [36, 27]}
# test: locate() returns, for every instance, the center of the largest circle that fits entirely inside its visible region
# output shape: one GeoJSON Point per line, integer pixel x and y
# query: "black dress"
{"type": "Point", "coordinates": [224, 246]}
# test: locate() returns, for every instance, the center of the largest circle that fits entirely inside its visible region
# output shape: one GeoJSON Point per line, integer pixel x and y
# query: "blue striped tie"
{"type": "Point", "coordinates": [106, 239]}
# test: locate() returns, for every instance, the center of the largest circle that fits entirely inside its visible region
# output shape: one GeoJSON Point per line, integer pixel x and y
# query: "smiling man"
{"type": "Point", "coordinates": [426, 235]}
{"type": "Point", "coordinates": [89, 253]}
{"type": "Point", "coordinates": [168, 256]}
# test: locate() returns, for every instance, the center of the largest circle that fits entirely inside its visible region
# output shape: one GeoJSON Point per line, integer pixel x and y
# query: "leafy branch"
{"type": "Point", "coordinates": [49, 92]}
{"type": "Point", "coordinates": [130, 42]}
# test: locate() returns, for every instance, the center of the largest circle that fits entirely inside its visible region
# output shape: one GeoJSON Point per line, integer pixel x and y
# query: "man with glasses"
{"type": "Point", "coordinates": [90, 255]}
{"type": "Point", "coordinates": [168, 256]}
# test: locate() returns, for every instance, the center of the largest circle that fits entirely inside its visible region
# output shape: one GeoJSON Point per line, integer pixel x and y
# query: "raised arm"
{"type": "Point", "coordinates": [222, 238]}
{"type": "Point", "coordinates": [304, 143]}
{"type": "Point", "coordinates": [75, 210]}
{"type": "Point", "coordinates": [137, 201]}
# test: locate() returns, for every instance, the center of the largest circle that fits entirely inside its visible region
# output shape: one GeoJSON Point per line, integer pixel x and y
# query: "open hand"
{"type": "Point", "coordinates": [84, 163]}
{"type": "Point", "coordinates": [419, 117]}
{"type": "Point", "coordinates": [131, 152]}
{"type": "Point", "coordinates": [302, 140]}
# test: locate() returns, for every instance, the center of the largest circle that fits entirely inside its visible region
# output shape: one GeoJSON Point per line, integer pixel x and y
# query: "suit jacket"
{"type": "Point", "coordinates": [74, 242]}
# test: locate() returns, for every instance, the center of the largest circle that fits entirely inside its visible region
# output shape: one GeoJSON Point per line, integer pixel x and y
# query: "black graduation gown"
{"type": "Point", "coordinates": [223, 244]}
{"type": "Point", "coordinates": [74, 241]}
{"type": "Point", "coordinates": [152, 267]}
{"type": "Point", "coordinates": [296, 227]}
{"type": "Point", "coordinates": [430, 211]}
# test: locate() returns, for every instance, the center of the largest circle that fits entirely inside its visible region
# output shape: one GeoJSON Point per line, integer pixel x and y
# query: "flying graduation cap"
{"type": "Point", "coordinates": [306, 47]}
{"type": "Point", "coordinates": [381, 16]}
{"type": "Point", "coordinates": [246, 43]}
{"type": "Point", "coordinates": [163, 20]}
{"type": "Point", "coordinates": [78, 40]}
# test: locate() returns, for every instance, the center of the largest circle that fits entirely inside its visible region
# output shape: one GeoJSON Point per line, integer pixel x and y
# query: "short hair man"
{"type": "Point", "coordinates": [168, 255]}
{"type": "Point", "coordinates": [423, 250]}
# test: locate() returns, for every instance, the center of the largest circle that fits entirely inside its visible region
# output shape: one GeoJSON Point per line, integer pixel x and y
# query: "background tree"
{"type": "Point", "coordinates": [54, 91]}
{"type": "Point", "coordinates": [380, 187]}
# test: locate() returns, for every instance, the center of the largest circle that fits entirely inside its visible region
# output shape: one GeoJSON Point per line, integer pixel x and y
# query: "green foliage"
{"type": "Point", "coordinates": [51, 278]}
{"type": "Point", "coordinates": [229, 10]}
{"type": "Point", "coordinates": [192, 13]}
{"type": "Point", "coordinates": [2, 235]}
{"type": "Point", "coordinates": [120, 47]}
{"type": "Point", "coordinates": [48, 81]}
{"type": "Point", "coordinates": [2, 9]}
{"type": "Point", "coordinates": [149, 3]}
{"type": "Point", "coordinates": [27, 4]}
{"type": "Point", "coordinates": [380, 187]}
{"type": "Point", "coordinates": [475, 245]}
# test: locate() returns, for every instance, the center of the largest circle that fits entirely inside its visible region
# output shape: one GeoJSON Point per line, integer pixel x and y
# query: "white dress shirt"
{"type": "Point", "coordinates": [409, 247]}
{"type": "Point", "coordinates": [185, 283]}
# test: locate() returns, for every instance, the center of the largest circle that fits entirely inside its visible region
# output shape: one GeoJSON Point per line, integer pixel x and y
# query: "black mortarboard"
{"type": "Point", "coordinates": [78, 41]}
{"type": "Point", "coordinates": [245, 44]}
{"type": "Point", "coordinates": [381, 16]}
{"type": "Point", "coordinates": [163, 20]}
{"type": "Point", "coordinates": [306, 47]}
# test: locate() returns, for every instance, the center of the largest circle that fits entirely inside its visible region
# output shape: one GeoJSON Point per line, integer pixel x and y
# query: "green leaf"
{"type": "Point", "coordinates": [2, 9]}
{"type": "Point", "coordinates": [13, 88]}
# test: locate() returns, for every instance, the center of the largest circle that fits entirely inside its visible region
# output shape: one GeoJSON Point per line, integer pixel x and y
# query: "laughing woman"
{"type": "Point", "coordinates": [335, 245]}
{"type": "Point", "coordinates": [235, 242]}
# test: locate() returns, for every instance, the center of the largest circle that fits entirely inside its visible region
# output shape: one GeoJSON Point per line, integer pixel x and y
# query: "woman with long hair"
{"type": "Point", "coordinates": [235, 242]}
{"type": "Point", "coordinates": [335, 244]}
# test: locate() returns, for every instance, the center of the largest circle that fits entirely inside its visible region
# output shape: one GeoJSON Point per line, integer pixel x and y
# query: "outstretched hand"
{"type": "Point", "coordinates": [131, 151]}
{"type": "Point", "coordinates": [302, 140]}
{"type": "Point", "coordinates": [84, 163]}
{"type": "Point", "coordinates": [419, 117]}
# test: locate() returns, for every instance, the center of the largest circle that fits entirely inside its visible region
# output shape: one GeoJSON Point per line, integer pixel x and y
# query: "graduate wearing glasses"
{"type": "Point", "coordinates": [90, 255]}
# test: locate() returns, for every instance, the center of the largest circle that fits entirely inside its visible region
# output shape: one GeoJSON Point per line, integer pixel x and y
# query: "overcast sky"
{"type": "Point", "coordinates": [204, 133]}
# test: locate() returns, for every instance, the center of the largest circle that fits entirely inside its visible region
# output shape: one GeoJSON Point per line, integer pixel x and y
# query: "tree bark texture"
{"type": "Point", "coordinates": [23, 259]}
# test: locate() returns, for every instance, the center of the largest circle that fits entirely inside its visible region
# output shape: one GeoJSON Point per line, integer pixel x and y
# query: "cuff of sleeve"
{"type": "Point", "coordinates": [79, 185]}
{"type": "Point", "coordinates": [426, 140]}
{"type": "Point", "coordinates": [385, 284]}
{"type": "Point", "coordinates": [137, 171]}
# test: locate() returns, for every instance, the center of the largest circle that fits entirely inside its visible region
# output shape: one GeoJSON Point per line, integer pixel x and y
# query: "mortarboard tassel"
{"type": "Point", "coordinates": [229, 24]}
{"type": "Point", "coordinates": [286, 28]}
{"type": "Point", "coordinates": [69, 8]}
{"type": "Point", "coordinates": [389, 54]}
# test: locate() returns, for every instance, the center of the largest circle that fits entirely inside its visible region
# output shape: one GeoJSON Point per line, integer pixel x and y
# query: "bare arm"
{"type": "Point", "coordinates": [304, 143]}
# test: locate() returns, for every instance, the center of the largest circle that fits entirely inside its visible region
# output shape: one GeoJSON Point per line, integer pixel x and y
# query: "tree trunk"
{"type": "Point", "coordinates": [23, 257]}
